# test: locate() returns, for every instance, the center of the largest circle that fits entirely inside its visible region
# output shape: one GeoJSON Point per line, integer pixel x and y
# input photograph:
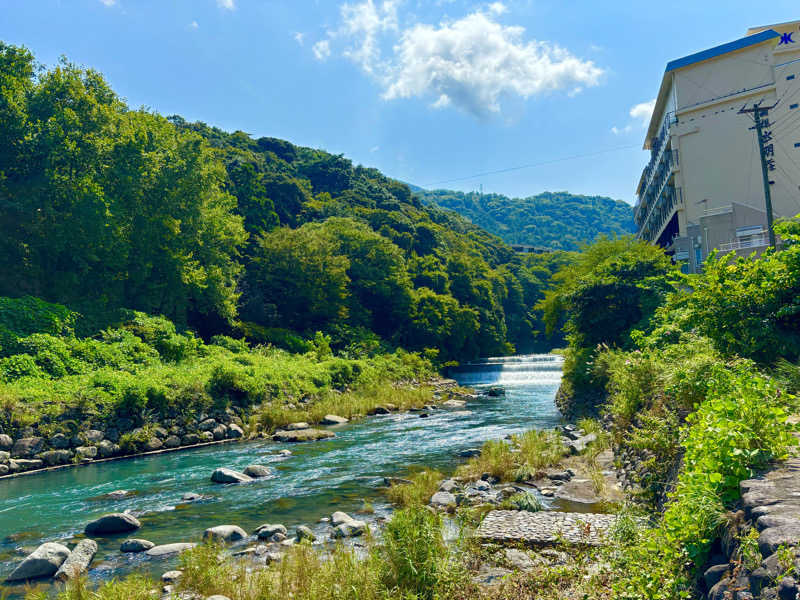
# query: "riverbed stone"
{"type": "Point", "coordinates": [219, 432]}
{"type": "Point", "coordinates": [172, 441]}
{"type": "Point", "coordinates": [224, 533]}
{"type": "Point", "coordinates": [86, 452]}
{"type": "Point", "coordinates": [772, 538]}
{"type": "Point", "coordinates": [257, 471]}
{"type": "Point", "coordinates": [42, 562]}
{"type": "Point", "coordinates": [442, 499]}
{"type": "Point", "coordinates": [333, 420]}
{"type": "Point", "coordinates": [519, 560]}
{"type": "Point", "coordinates": [94, 436]}
{"type": "Point", "coordinates": [190, 439]}
{"type": "Point", "coordinates": [27, 447]}
{"type": "Point", "coordinates": [217, 597]}
{"type": "Point", "coordinates": [304, 533]}
{"type": "Point", "coordinates": [379, 410]}
{"type": "Point", "coordinates": [207, 424]}
{"type": "Point", "coordinates": [113, 523]}
{"type": "Point", "coordinates": [469, 453]}
{"type": "Point", "coordinates": [266, 531]}
{"type": "Point", "coordinates": [169, 549]}
{"type": "Point", "coordinates": [235, 432]}
{"type": "Point", "coordinates": [78, 560]}
{"type": "Point", "coordinates": [545, 528]}
{"type": "Point", "coordinates": [4, 456]}
{"type": "Point", "coordinates": [206, 436]}
{"type": "Point", "coordinates": [299, 425]}
{"type": "Point", "coordinates": [17, 465]}
{"type": "Point", "coordinates": [224, 475]}
{"type": "Point", "coordinates": [160, 432]}
{"type": "Point", "coordinates": [152, 444]}
{"type": "Point", "coordinates": [59, 441]}
{"type": "Point", "coordinates": [55, 457]}
{"type": "Point", "coordinates": [107, 449]}
{"type": "Point", "coordinates": [302, 435]}
{"type": "Point", "coordinates": [350, 529]}
{"type": "Point", "coordinates": [134, 545]}
{"type": "Point", "coordinates": [4, 470]}
{"type": "Point", "coordinates": [6, 443]}
{"type": "Point", "coordinates": [171, 576]}
{"type": "Point", "coordinates": [454, 404]}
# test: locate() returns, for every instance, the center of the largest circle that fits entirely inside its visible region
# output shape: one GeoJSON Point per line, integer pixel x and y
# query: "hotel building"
{"type": "Point", "coordinates": [703, 187]}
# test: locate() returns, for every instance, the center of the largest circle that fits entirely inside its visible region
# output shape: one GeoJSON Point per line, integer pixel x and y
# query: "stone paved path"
{"type": "Point", "coordinates": [545, 528]}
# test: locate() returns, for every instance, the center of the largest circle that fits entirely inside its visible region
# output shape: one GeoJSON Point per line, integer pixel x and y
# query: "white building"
{"type": "Point", "coordinates": [703, 187]}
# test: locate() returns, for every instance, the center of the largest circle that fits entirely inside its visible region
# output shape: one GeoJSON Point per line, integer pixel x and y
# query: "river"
{"type": "Point", "coordinates": [317, 479]}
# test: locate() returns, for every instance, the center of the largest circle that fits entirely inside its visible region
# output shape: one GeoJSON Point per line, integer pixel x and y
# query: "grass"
{"type": "Point", "coordinates": [417, 493]}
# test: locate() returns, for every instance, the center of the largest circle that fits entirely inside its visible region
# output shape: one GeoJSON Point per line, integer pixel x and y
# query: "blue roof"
{"type": "Point", "coordinates": [750, 40]}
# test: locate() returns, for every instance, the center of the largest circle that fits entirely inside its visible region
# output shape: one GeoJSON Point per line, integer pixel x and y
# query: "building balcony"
{"type": "Point", "coordinates": [659, 145]}
{"type": "Point", "coordinates": [652, 190]}
{"type": "Point", "coordinates": [759, 241]}
{"type": "Point", "coordinates": [663, 208]}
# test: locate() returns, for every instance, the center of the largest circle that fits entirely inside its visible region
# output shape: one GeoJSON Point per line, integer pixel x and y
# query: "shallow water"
{"type": "Point", "coordinates": [317, 479]}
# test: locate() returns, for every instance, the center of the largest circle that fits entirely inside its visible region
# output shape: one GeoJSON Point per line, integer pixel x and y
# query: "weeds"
{"type": "Point", "coordinates": [423, 485]}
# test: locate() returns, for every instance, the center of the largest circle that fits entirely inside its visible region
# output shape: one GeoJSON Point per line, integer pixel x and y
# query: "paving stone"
{"type": "Point", "coordinates": [545, 528]}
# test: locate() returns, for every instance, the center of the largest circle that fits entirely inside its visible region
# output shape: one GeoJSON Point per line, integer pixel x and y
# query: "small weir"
{"type": "Point", "coordinates": [316, 480]}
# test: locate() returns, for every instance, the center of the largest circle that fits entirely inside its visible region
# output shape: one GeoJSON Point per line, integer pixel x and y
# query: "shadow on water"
{"type": "Point", "coordinates": [317, 479]}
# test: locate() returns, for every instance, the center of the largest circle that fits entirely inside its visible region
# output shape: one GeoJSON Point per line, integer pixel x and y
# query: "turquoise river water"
{"type": "Point", "coordinates": [316, 480]}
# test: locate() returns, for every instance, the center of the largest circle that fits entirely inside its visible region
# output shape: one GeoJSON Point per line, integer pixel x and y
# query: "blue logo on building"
{"type": "Point", "coordinates": [786, 38]}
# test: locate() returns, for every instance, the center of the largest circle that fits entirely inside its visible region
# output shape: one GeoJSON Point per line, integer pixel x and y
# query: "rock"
{"type": "Point", "coordinates": [42, 562]}
{"type": "Point", "coordinates": [770, 539]}
{"type": "Point", "coordinates": [759, 579]}
{"type": "Point", "coordinates": [24, 464]}
{"type": "Point", "coordinates": [449, 485]}
{"type": "Point", "coordinates": [136, 545]}
{"type": "Point", "coordinates": [59, 441]}
{"type": "Point", "coordinates": [302, 435]}
{"type": "Point", "coordinates": [352, 528]}
{"type": "Point", "coordinates": [297, 426]}
{"type": "Point", "coordinates": [6, 443]}
{"type": "Point", "coordinates": [160, 432]}
{"type": "Point", "coordinates": [118, 494]}
{"type": "Point", "coordinates": [223, 475]}
{"type": "Point", "coordinates": [481, 485]}
{"type": "Point", "coordinates": [27, 447]}
{"type": "Point", "coordinates": [495, 392]}
{"type": "Point", "coordinates": [167, 549]}
{"type": "Point", "coordinates": [340, 517]}
{"type": "Point", "coordinates": [113, 434]}
{"type": "Point", "coordinates": [85, 452]}
{"type": "Point", "coordinates": [4, 456]}
{"type": "Point", "coordinates": [390, 481]}
{"type": "Point", "coordinates": [519, 559]}
{"type": "Point", "coordinates": [442, 499]}
{"type": "Point", "coordinates": [379, 410]}
{"type": "Point", "coordinates": [579, 445]}
{"type": "Point", "coordinates": [107, 449]}
{"type": "Point", "coordinates": [78, 560]}
{"type": "Point", "coordinates": [207, 425]}
{"type": "Point", "coordinates": [265, 532]}
{"type": "Point", "coordinates": [713, 574]}
{"type": "Point", "coordinates": [171, 576]}
{"type": "Point", "coordinates": [172, 441]}
{"type": "Point", "coordinates": [224, 533]}
{"type": "Point", "coordinates": [206, 436]}
{"type": "Point", "coordinates": [284, 453]}
{"type": "Point", "coordinates": [333, 420]}
{"type": "Point", "coordinates": [55, 457]}
{"type": "Point", "coordinates": [190, 439]}
{"type": "Point", "coordinates": [234, 431]}
{"type": "Point", "coordinates": [304, 533]}
{"type": "Point", "coordinates": [94, 436]}
{"type": "Point", "coordinates": [469, 452]}
{"type": "Point", "coordinates": [556, 475]}
{"type": "Point", "coordinates": [4, 470]}
{"type": "Point", "coordinates": [454, 404]}
{"type": "Point", "coordinates": [217, 597]}
{"type": "Point", "coordinates": [257, 471]}
{"type": "Point", "coordinates": [720, 590]}
{"type": "Point", "coordinates": [278, 537]}
{"type": "Point", "coordinates": [787, 588]}
{"type": "Point", "coordinates": [219, 432]}
{"type": "Point", "coordinates": [113, 523]}
{"type": "Point", "coordinates": [153, 444]}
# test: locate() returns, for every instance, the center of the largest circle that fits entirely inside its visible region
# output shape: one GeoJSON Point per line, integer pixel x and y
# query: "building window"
{"type": "Point", "coordinates": [792, 106]}
{"type": "Point", "coordinates": [797, 145]}
{"type": "Point", "coordinates": [789, 77]}
{"type": "Point", "coordinates": [698, 256]}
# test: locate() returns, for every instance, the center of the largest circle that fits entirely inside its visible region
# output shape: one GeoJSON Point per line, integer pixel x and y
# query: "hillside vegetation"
{"type": "Point", "coordinates": [106, 208]}
{"type": "Point", "coordinates": [554, 220]}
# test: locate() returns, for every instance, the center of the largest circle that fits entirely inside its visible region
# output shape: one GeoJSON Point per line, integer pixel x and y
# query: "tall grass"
{"type": "Point", "coordinates": [524, 457]}
{"type": "Point", "coordinates": [423, 485]}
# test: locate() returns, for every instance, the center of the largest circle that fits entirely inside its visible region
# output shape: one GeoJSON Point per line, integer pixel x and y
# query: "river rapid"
{"type": "Point", "coordinates": [316, 480]}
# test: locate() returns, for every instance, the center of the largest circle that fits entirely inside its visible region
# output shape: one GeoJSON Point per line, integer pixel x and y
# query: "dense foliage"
{"type": "Point", "coordinates": [104, 207]}
{"type": "Point", "coordinates": [555, 220]}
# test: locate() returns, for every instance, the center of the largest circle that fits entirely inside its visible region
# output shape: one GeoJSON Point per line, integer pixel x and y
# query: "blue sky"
{"type": "Point", "coordinates": [430, 92]}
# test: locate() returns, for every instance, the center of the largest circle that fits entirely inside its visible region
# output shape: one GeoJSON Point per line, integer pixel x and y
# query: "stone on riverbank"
{"type": "Point", "coordinates": [379, 410]}
{"type": "Point", "coordinates": [15, 465]}
{"type": "Point", "coordinates": [171, 576]}
{"type": "Point", "coordinates": [107, 448]}
{"type": "Point", "coordinates": [345, 526]}
{"type": "Point", "coordinates": [85, 453]}
{"type": "Point", "coordinates": [136, 545]}
{"type": "Point", "coordinates": [42, 562]}
{"type": "Point", "coordinates": [224, 533]}
{"type": "Point", "coordinates": [78, 561]}
{"type": "Point", "coordinates": [302, 435]}
{"type": "Point", "coordinates": [333, 420]}
{"type": "Point", "coordinates": [27, 447]}
{"type": "Point", "coordinates": [168, 549]}
{"type": "Point", "coordinates": [6, 443]}
{"type": "Point", "coordinates": [265, 532]}
{"type": "Point", "coordinates": [300, 425]}
{"type": "Point", "coordinates": [545, 528]}
{"type": "Point", "coordinates": [113, 523]}
{"type": "Point", "coordinates": [454, 404]}
{"type": "Point", "coordinates": [234, 431]}
{"type": "Point", "coordinates": [257, 471]}
{"type": "Point", "coordinates": [304, 533]}
{"type": "Point", "coordinates": [55, 457]}
{"type": "Point", "coordinates": [442, 500]}
{"type": "Point", "coordinates": [224, 475]}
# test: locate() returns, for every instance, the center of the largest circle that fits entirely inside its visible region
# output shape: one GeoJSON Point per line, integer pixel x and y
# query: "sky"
{"type": "Point", "coordinates": [516, 96]}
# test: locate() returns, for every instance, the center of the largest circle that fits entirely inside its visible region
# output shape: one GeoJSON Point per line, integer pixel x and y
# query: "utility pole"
{"type": "Point", "coordinates": [763, 138]}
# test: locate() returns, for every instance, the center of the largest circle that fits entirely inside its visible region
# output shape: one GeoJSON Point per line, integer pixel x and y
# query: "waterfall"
{"type": "Point", "coordinates": [530, 369]}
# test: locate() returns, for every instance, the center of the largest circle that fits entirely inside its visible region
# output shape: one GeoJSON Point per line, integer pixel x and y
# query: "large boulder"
{"type": "Point", "coordinates": [4, 456]}
{"type": "Point", "coordinates": [136, 545]}
{"type": "Point", "coordinates": [207, 425]}
{"type": "Point", "coordinates": [257, 471]}
{"type": "Point", "coordinates": [169, 549]}
{"type": "Point", "coordinates": [153, 444]}
{"type": "Point", "coordinates": [442, 499]}
{"type": "Point", "coordinates": [172, 441]}
{"type": "Point", "coordinates": [27, 447]}
{"type": "Point", "coordinates": [774, 537]}
{"type": "Point", "coordinates": [42, 562]}
{"type": "Point", "coordinates": [6, 443]}
{"type": "Point", "coordinates": [302, 435]}
{"type": "Point", "coordinates": [107, 449]}
{"type": "Point", "coordinates": [345, 526]}
{"type": "Point", "coordinates": [219, 432]}
{"type": "Point", "coordinates": [24, 464]}
{"type": "Point", "coordinates": [55, 457]}
{"type": "Point", "coordinates": [224, 533]}
{"type": "Point", "coordinates": [113, 523]}
{"type": "Point", "coordinates": [59, 441]}
{"type": "Point", "coordinates": [94, 436]}
{"type": "Point", "coordinates": [333, 420]}
{"type": "Point", "coordinates": [85, 453]}
{"type": "Point", "coordinates": [223, 475]}
{"type": "Point", "coordinates": [265, 532]}
{"type": "Point", "coordinates": [78, 560]}
{"type": "Point", "coordinates": [234, 431]}
{"type": "Point", "coordinates": [297, 426]}
{"type": "Point", "coordinates": [304, 533]}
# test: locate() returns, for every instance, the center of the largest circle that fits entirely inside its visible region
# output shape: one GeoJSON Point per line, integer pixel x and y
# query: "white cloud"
{"type": "Point", "coordinates": [471, 63]}
{"type": "Point", "coordinates": [109, 2]}
{"type": "Point", "coordinates": [322, 49]}
{"type": "Point", "coordinates": [374, 149]}
{"type": "Point", "coordinates": [227, 4]}
{"type": "Point", "coordinates": [643, 111]}
{"type": "Point", "coordinates": [194, 25]}
{"type": "Point", "coordinates": [298, 37]}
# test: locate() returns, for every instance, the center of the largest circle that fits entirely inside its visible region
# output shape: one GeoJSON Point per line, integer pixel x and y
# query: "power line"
{"type": "Point", "coordinates": [532, 165]}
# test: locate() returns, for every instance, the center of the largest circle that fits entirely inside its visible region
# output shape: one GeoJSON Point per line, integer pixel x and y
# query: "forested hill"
{"type": "Point", "coordinates": [104, 207]}
{"type": "Point", "coordinates": [556, 220]}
